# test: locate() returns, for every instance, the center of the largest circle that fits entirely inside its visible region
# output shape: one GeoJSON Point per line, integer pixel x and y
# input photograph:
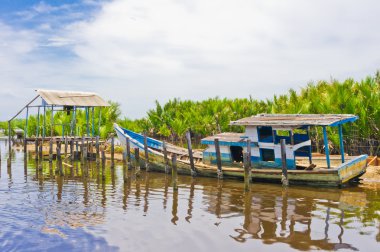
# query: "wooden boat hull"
{"type": "Point", "coordinates": [336, 177]}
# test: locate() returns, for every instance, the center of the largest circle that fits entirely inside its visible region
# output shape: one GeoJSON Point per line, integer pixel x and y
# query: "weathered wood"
{"type": "Point", "coordinates": [129, 153]}
{"type": "Point", "coordinates": [66, 145]}
{"type": "Point", "coordinates": [137, 161]}
{"type": "Point", "coordinates": [284, 179]}
{"type": "Point", "coordinates": [25, 148]}
{"type": "Point", "coordinates": [247, 172]}
{"type": "Point", "coordinates": [190, 150]}
{"type": "Point", "coordinates": [81, 150]}
{"type": "Point", "coordinates": [146, 152]}
{"type": "Point", "coordinates": [36, 149]}
{"type": "Point", "coordinates": [97, 148]}
{"type": "Point", "coordinates": [174, 172]}
{"type": "Point", "coordinates": [249, 151]}
{"type": "Point", "coordinates": [125, 168]}
{"type": "Point", "coordinates": [218, 159]}
{"type": "Point", "coordinates": [166, 160]}
{"type": "Point", "coordinates": [59, 161]}
{"type": "Point", "coordinates": [85, 154]}
{"type": "Point", "coordinates": [103, 165]}
{"type": "Point", "coordinates": [72, 150]}
{"type": "Point", "coordinates": [40, 146]}
{"type": "Point", "coordinates": [112, 152]}
{"type": "Point", "coordinates": [51, 150]}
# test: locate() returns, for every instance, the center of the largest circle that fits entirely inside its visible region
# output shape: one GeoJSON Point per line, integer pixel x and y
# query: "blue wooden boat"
{"type": "Point", "coordinates": [265, 132]}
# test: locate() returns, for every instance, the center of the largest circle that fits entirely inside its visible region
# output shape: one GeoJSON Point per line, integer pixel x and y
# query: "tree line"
{"type": "Point", "coordinates": [171, 120]}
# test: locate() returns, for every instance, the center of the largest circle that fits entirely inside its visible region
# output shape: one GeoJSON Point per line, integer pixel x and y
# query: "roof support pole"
{"type": "Point", "coordinates": [87, 129]}
{"type": "Point", "coordinates": [310, 149]}
{"type": "Point", "coordinates": [326, 142]}
{"type": "Point", "coordinates": [52, 121]}
{"type": "Point", "coordinates": [73, 121]}
{"type": "Point", "coordinates": [341, 142]}
{"type": "Point", "coordinates": [100, 119]}
{"type": "Point", "coordinates": [26, 122]}
{"type": "Point", "coordinates": [93, 122]}
{"type": "Point", "coordinates": [43, 129]}
{"type": "Point", "coordinates": [38, 123]}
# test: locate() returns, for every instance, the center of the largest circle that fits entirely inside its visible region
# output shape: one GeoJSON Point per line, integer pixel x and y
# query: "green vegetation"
{"type": "Point", "coordinates": [171, 120]}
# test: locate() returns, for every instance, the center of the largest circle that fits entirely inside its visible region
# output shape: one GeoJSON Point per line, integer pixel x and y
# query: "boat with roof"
{"type": "Point", "coordinates": [261, 138]}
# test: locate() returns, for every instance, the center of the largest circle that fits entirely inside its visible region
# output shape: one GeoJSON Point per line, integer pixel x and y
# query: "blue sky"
{"type": "Point", "coordinates": [135, 52]}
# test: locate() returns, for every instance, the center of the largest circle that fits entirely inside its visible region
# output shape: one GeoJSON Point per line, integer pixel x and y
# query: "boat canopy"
{"type": "Point", "coordinates": [295, 120]}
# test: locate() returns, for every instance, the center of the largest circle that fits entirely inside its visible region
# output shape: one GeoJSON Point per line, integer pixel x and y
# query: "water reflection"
{"type": "Point", "coordinates": [82, 203]}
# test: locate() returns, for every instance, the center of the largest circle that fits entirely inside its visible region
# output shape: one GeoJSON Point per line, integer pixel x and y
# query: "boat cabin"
{"type": "Point", "coordinates": [265, 132]}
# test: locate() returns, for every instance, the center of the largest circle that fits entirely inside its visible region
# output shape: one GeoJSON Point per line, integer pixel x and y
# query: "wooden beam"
{"type": "Point", "coordinates": [24, 108]}
{"type": "Point", "coordinates": [341, 142]}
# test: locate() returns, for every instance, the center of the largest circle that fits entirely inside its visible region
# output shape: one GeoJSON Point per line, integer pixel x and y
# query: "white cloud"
{"type": "Point", "coordinates": [137, 51]}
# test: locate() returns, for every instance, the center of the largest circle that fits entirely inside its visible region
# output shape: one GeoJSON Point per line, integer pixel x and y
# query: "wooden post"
{"type": "Point", "coordinates": [218, 159]}
{"type": "Point", "coordinates": [97, 149]}
{"type": "Point", "coordinates": [165, 157]}
{"type": "Point", "coordinates": [146, 152]}
{"type": "Point", "coordinates": [137, 161]}
{"type": "Point", "coordinates": [103, 164]}
{"type": "Point", "coordinates": [125, 169]}
{"type": "Point", "coordinates": [72, 150]}
{"type": "Point", "coordinates": [25, 147]}
{"type": "Point", "coordinates": [249, 151]}
{"type": "Point", "coordinates": [189, 148]}
{"type": "Point", "coordinates": [174, 171]}
{"type": "Point", "coordinates": [112, 152]}
{"type": "Point", "coordinates": [36, 148]}
{"type": "Point", "coordinates": [81, 150]}
{"type": "Point", "coordinates": [51, 150]}
{"type": "Point", "coordinates": [129, 153]}
{"type": "Point", "coordinates": [9, 136]}
{"type": "Point", "coordinates": [40, 146]}
{"type": "Point", "coordinates": [66, 145]}
{"type": "Point", "coordinates": [247, 172]}
{"type": "Point", "coordinates": [85, 154]}
{"type": "Point", "coordinates": [327, 151]}
{"type": "Point", "coordinates": [284, 178]}
{"type": "Point", "coordinates": [59, 161]}
{"type": "Point", "coordinates": [52, 121]}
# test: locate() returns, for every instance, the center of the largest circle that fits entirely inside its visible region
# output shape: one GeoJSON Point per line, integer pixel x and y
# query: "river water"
{"type": "Point", "coordinates": [40, 211]}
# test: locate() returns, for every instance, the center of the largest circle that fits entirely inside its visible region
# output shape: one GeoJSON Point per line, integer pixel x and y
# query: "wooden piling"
{"type": "Point", "coordinates": [146, 152]}
{"type": "Point", "coordinates": [112, 152]}
{"type": "Point", "coordinates": [36, 148]}
{"type": "Point", "coordinates": [218, 159]}
{"type": "Point", "coordinates": [190, 150]}
{"type": "Point", "coordinates": [72, 157]}
{"type": "Point", "coordinates": [97, 149]}
{"type": "Point", "coordinates": [66, 145]}
{"type": "Point", "coordinates": [25, 148]}
{"type": "Point", "coordinates": [40, 146]}
{"type": "Point", "coordinates": [249, 151]}
{"type": "Point", "coordinates": [129, 153]}
{"type": "Point", "coordinates": [137, 161]}
{"type": "Point", "coordinates": [59, 161]}
{"type": "Point", "coordinates": [103, 164]}
{"type": "Point", "coordinates": [85, 154]}
{"type": "Point", "coordinates": [174, 172]}
{"type": "Point", "coordinates": [167, 168]}
{"type": "Point", "coordinates": [81, 150]}
{"type": "Point", "coordinates": [247, 172]}
{"type": "Point", "coordinates": [284, 177]}
{"type": "Point", "coordinates": [51, 150]}
{"type": "Point", "coordinates": [125, 168]}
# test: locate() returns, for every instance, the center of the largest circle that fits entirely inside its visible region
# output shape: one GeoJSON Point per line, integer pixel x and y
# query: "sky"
{"type": "Point", "coordinates": [137, 51]}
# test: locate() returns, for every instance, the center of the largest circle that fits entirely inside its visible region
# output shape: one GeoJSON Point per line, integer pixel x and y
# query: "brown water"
{"type": "Point", "coordinates": [80, 212]}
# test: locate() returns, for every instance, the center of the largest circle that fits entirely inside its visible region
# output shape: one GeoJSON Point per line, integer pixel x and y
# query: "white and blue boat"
{"type": "Point", "coordinates": [264, 132]}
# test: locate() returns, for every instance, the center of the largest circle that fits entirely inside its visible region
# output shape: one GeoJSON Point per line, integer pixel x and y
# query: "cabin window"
{"type": "Point", "coordinates": [265, 134]}
{"type": "Point", "coordinates": [282, 134]}
{"type": "Point", "coordinates": [236, 153]}
{"type": "Point", "coordinates": [267, 155]}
